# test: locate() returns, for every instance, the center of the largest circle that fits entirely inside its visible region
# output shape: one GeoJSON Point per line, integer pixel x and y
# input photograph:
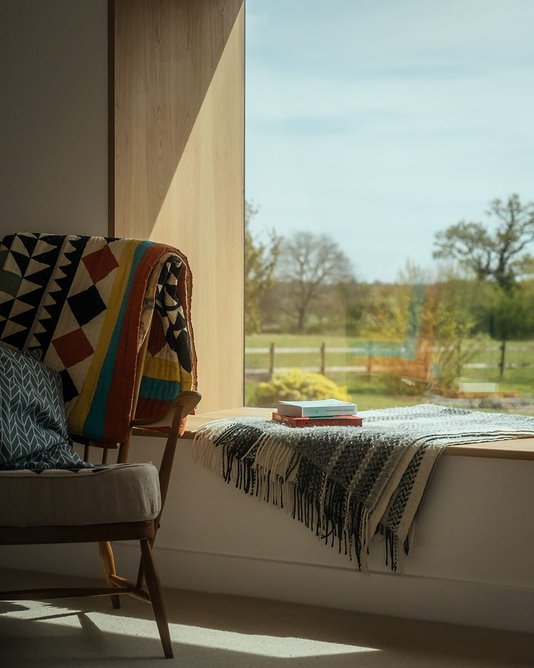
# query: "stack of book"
{"type": "Point", "coordinates": [319, 413]}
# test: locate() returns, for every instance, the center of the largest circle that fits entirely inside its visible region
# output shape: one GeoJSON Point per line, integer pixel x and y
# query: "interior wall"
{"type": "Point", "coordinates": [53, 116]}
{"type": "Point", "coordinates": [471, 561]}
{"type": "Point", "coordinates": [178, 163]}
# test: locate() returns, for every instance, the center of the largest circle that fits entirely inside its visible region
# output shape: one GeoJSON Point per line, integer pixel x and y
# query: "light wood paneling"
{"type": "Point", "coordinates": [178, 140]}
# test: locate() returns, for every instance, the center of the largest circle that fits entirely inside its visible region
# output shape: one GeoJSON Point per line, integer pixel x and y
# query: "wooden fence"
{"type": "Point", "coordinates": [371, 354]}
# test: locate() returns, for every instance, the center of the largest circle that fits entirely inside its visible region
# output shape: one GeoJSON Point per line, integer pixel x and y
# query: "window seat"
{"type": "Point", "coordinates": [522, 448]}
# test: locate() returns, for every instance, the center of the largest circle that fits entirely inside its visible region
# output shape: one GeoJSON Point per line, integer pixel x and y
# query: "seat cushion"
{"type": "Point", "coordinates": [102, 495]}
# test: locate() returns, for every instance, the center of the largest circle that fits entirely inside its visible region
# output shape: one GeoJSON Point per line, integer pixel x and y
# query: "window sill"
{"type": "Point", "coordinates": [521, 448]}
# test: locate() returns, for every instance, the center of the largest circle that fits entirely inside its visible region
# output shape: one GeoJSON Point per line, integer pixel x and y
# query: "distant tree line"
{"type": "Point", "coordinates": [483, 285]}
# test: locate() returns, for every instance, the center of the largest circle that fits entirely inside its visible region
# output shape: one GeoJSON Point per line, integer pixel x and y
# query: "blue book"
{"type": "Point", "coordinates": [316, 408]}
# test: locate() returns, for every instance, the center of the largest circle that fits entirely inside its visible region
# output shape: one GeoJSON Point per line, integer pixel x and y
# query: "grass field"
{"type": "Point", "coordinates": [373, 391]}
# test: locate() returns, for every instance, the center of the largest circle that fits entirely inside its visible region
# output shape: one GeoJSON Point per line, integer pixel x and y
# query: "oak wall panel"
{"type": "Point", "coordinates": [178, 161]}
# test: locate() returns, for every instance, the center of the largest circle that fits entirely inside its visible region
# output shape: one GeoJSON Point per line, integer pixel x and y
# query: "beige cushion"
{"type": "Point", "coordinates": [103, 495]}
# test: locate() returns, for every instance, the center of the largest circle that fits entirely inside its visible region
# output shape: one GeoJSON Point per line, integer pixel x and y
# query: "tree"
{"type": "Point", "coordinates": [260, 263]}
{"type": "Point", "coordinates": [307, 263]}
{"type": "Point", "coordinates": [447, 326]}
{"type": "Point", "coordinates": [386, 314]}
{"type": "Point", "coordinates": [499, 255]}
{"type": "Point", "coordinates": [393, 311]}
{"type": "Point", "coordinates": [510, 316]}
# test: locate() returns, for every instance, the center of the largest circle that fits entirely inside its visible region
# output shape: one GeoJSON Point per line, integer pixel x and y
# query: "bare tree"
{"type": "Point", "coordinates": [501, 254]}
{"type": "Point", "coordinates": [307, 263]}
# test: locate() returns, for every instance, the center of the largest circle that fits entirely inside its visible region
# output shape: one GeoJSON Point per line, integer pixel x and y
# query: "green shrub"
{"type": "Point", "coordinates": [297, 385]}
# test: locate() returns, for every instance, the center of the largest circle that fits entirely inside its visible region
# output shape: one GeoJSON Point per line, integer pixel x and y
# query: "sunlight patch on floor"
{"type": "Point", "coordinates": [261, 645]}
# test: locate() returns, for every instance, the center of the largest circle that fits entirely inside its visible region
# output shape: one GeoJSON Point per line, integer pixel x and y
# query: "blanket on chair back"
{"type": "Point", "coordinates": [346, 483]}
{"type": "Point", "coordinates": [87, 304]}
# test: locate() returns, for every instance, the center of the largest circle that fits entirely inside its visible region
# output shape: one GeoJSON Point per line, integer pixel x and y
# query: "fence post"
{"type": "Point", "coordinates": [271, 360]}
{"type": "Point", "coordinates": [502, 361]}
{"type": "Point", "coordinates": [369, 359]}
{"type": "Point", "coordinates": [322, 370]}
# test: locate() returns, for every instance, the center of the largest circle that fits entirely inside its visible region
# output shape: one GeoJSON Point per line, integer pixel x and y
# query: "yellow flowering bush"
{"type": "Point", "coordinates": [298, 385]}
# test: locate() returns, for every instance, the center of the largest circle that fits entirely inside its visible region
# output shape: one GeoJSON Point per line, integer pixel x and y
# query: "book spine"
{"type": "Point", "coordinates": [326, 412]}
{"type": "Point", "coordinates": [316, 411]}
{"type": "Point", "coordinates": [341, 421]}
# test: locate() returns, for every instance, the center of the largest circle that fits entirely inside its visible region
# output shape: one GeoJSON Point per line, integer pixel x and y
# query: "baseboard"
{"type": "Point", "coordinates": [417, 597]}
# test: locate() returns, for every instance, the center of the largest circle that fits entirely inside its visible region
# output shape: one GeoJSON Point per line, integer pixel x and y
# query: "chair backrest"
{"type": "Point", "coordinates": [112, 316]}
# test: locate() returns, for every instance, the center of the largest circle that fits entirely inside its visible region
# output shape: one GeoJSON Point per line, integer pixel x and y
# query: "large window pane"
{"type": "Point", "coordinates": [389, 187]}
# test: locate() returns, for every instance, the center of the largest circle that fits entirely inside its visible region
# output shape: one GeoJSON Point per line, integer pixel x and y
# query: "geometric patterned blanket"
{"type": "Point", "coordinates": [349, 484]}
{"type": "Point", "coordinates": [87, 304]}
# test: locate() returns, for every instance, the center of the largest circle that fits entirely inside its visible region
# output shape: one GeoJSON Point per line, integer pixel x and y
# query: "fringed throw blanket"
{"type": "Point", "coordinates": [87, 304]}
{"type": "Point", "coordinates": [345, 483]}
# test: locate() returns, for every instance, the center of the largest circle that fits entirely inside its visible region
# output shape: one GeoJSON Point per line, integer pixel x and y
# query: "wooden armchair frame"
{"type": "Point", "coordinates": [171, 427]}
{"type": "Point", "coordinates": [104, 534]}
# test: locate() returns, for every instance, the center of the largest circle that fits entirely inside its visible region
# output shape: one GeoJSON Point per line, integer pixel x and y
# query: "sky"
{"type": "Point", "coordinates": [381, 122]}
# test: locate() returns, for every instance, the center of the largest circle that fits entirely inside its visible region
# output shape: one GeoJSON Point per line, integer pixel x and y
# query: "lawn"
{"type": "Point", "coordinates": [373, 391]}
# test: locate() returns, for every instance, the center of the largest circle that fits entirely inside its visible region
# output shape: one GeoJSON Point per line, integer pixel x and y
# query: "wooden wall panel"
{"type": "Point", "coordinates": [178, 161]}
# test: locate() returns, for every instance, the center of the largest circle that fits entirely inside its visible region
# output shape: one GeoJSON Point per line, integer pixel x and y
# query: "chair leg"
{"type": "Point", "coordinates": [156, 598]}
{"type": "Point", "coordinates": [124, 448]}
{"type": "Point", "coordinates": [108, 562]}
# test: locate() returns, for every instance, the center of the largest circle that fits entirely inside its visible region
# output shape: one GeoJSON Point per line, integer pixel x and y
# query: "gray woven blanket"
{"type": "Point", "coordinates": [345, 483]}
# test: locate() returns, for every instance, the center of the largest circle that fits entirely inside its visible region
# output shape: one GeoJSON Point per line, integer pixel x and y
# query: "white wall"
{"type": "Point", "coordinates": [472, 561]}
{"type": "Point", "coordinates": [53, 116]}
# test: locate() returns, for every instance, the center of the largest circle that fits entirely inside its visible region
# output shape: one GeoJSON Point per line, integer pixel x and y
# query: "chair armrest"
{"type": "Point", "coordinates": [184, 404]}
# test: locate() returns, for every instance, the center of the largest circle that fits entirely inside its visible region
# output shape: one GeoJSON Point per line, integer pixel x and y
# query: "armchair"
{"type": "Point", "coordinates": [111, 319]}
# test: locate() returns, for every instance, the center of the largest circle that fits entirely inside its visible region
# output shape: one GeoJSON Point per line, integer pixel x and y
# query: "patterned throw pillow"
{"type": "Point", "coordinates": [33, 428]}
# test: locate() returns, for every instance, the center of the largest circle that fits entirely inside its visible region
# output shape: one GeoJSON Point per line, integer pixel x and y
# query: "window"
{"type": "Point", "coordinates": [389, 166]}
